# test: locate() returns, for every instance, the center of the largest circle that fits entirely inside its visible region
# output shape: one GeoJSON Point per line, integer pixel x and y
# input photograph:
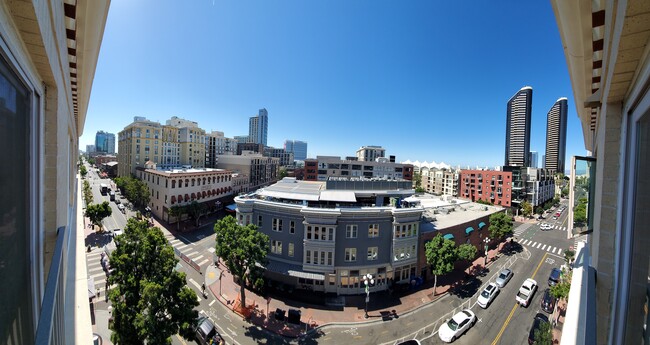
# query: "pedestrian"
{"type": "Point", "coordinates": [203, 288]}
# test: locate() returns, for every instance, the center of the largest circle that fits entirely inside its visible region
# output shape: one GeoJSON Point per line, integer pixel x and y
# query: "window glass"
{"type": "Point", "coordinates": [16, 301]}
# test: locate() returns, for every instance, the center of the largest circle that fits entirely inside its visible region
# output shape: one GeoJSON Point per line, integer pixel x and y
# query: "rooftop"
{"type": "Point", "coordinates": [442, 212]}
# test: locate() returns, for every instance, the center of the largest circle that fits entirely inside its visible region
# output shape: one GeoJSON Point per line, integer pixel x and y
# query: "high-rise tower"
{"type": "Point", "coordinates": [518, 118]}
{"type": "Point", "coordinates": [556, 136]}
{"type": "Point", "coordinates": [258, 127]}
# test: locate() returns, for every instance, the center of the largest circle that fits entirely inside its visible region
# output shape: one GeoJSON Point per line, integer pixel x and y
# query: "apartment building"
{"type": "Point", "coordinates": [320, 231]}
{"type": "Point", "coordinates": [48, 54]}
{"type": "Point", "coordinates": [261, 171]}
{"type": "Point", "coordinates": [286, 158]}
{"type": "Point", "coordinates": [606, 48]}
{"type": "Point", "coordinates": [252, 147]}
{"type": "Point", "coordinates": [139, 142]}
{"type": "Point", "coordinates": [487, 185]}
{"type": "Point", "coordinates": [105, 142]}
{"type": "Point", "coordinates": [171, 148]}
{"type": "Point", "coordinates": [540, 186]}
{"type": "Point", "coordinates": [258, 127]}
{"type": "Point", "coordinates": [191, 141]}
{"type": "Point", "coordinates": [217, 144]}
{"type": "Point", "coordinates": [556, 122]}
{"type": "Point", "coordinates": [210, 187]}
{"type": "Point", "coordinates": [370, 153]}
{"type": "Point", "coordinates": [518, 122]}
{"type": "Point", "coordinates": [323, 167]}
{"type": "Point", "coordinates": [440, 181]}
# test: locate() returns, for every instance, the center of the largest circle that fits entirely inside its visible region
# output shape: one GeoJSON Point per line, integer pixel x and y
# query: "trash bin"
{"type": "Point", "coordinates": [294, 316]}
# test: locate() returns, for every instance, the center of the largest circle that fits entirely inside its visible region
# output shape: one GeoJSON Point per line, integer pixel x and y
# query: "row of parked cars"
{"type": "Point", "coordinates": [463, 320]}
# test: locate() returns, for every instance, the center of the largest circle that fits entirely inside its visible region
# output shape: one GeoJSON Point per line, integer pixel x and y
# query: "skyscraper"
{"type": "Point", "coordinates": [556, 136]}
{"type": "Point", "coordinates": [518, 118]}
{"type": "Point", "coordinates": [297, 147]}
{"type": "Point", "coordinates": [258, 127]}
{"type": "Point", "coordinates": [105, 142]}
{"type": "Point", "coordinates": [532, 159]}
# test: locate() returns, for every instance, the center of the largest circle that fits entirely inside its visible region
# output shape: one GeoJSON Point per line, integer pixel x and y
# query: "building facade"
{"type": "Point", "coordinates": [440, 181]}
{"type": "Point", "coordinates": [261, 171]}
{"type": "Point", "coordinates": [285, 158]}
{"type": "Point", "coordinates": [518, 121]}
{"type": "Point", "coordinates": [323, 167]}
{"type": "Point", "coordinates": [556, 123]}
{"type": "Point", "coordinates": [325, 236]}
{"type": "Point", "coordinates": [533, 159]}
{"type": "Point", "coordinates": [487, 185]}
{"type": "Point", "coordinates": [258, 127]}
{"type": "Point", "coordinates": [217, 144]}
{"type": "Point", "coordinates": [297, 147]}
{"type": "Point", "coordinates": [90, 149]}
{"type": "Point", "coordinates": [139, 142]}
{"type": "Point", "coordinates": [540, 186]}
{"type": "Point", "coordinates": [252, 147]}
{"type": "Point", "coordinates": [370, 153]}
{"type": "Point", "coordinates": [105, 142]}
{"type": "Point", "coordinates": [99, 160]}
{"type": "Point", "coordinates": [606, 49]}
{"type": "Point", "coordinates": [48, 55]}
{"type": "Point", "coordinates": [181, 187]}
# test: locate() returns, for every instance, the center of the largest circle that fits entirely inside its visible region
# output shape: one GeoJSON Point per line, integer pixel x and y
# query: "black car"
{"type": "Point", "coordinates": [554, 277]}
{"type": "Point", "coordinates": [206, 333]}
{"type": "Point", "coordinates": [537, 324]}
{"type": "Point", "coordinates": [548, 301]}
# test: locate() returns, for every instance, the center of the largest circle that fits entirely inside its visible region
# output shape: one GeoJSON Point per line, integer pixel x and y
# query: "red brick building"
{"type": "Point", "coordinates": [487, 185]}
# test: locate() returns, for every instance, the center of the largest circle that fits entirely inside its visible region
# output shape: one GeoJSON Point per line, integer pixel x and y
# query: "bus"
{"type": "Point", "coordinates": [103, 188]}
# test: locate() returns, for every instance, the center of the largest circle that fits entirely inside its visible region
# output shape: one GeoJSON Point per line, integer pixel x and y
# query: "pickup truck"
{"type": "Point", "coordinates": [526, 292]}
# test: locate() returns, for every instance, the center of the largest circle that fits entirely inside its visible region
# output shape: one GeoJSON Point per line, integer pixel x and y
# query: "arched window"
{"type": "Point", "coordinates": [173, 183]}
{"type": "Point", "coordinates": [187, 182]}
{"type": "Point", "coordinates": [193, 182]}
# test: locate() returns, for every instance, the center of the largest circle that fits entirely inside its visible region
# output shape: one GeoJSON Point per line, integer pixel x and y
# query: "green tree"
{"type": "Point", "coordinates": [177, 211]}
{"type": "Point", "coordinates": [241, 248]}
{"type": "Point", "coordinates": [483, 202]}
{"type": "Point", "coordinates": [417, 180]}
{"type": "Point", "coordinates": [137, 192]}
{"type": "Point", "coordinates": [561, 289]}
{"type": "Point", "coordinates": [87, 193]}
{"type": "Point", "coordinates": [543, 335]}
{"type": "Point", "coordinates": [282, 173]}
{"type": "Point", "coordinates": [97, 213]}
{"type": "Point", "coordinates": [151, 301]}
{"type": "Point", "coordinates": [196, 210]}
{"type": "Point", "coordinates": [568, 256]}
{"type": "Point", "coordinates": [565, 192]}
{"type": "Point", "coordinates": [441, 255]}
{"type": "Point", "coordinates": [82, 170]}
{"type": "Point", "coordinates": [500, 225]}
{"type": "Point", "coordinates": [526, 209]}
{"type": "Point", "coordinates": [466, 252]}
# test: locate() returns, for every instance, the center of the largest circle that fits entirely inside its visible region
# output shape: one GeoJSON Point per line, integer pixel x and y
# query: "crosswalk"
{"type": "Point", "coordinates": [561, 228]}
{"type": "Point", "coordinates": [542, 246]}
{"type": "Point", "coordinates": [201, 259]}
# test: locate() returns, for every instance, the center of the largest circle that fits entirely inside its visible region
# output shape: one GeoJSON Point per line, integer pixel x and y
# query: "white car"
{"type": "Point", "coordinates": [546, 226]}
{"type": "Point", "coordinates": [457, 325]}
{"type": "Point", "coordinates": [487, 295]}
{"type": "Point", "coordinates": [504, 277]}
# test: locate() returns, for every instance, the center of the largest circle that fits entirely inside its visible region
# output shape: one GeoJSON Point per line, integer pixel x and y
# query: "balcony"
{"type": "Point", "coordinates": [580, 321]}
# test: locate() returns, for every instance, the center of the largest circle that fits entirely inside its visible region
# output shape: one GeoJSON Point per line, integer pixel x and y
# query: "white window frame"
{"type": "Point", "coordinates": [276, 247]}
{"type": "Point", "coordinates": [350, 254]}
{"type": "Point", "coordinates": [373, 229]}
{"type": "Point", "coordinates": [351, 231]}
{"type": "Point", "coordinates": [290, 249]}
{"type": "Point", "coordinates": [371, 251]}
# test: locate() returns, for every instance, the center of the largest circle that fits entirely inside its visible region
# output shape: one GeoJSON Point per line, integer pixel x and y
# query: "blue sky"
{"type": "Point", "coordinates": [427, 80]}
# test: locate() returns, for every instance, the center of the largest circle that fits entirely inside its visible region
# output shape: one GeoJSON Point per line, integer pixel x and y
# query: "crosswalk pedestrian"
{"type": "Point", "coordinates": [542, 246]}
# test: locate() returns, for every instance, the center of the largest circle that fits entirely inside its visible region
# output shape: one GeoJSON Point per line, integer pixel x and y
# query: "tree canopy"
{"type": "Point", "coordinates": [526, 209]}
{"type": "Point", "coordinates": [82, 170]}
{"type": "Point", "coordinates": [97, 213]}
{"type": "Point", "coordinates": [196, 210]}
{"type": "Point", "coordinates": [241, 248]}
{"type": "Point", "coordinates": [151, 301]}
{"type": "Point", "coordinates": [500, 225]}
{"type": "Point", "coordinates": [543, 335]}
{"type": "Point", "coordinates": [441, 255]}
{"type": "Point", "coordinates": [87, 193]}
{"type": "Point", "coordinates": [133, 189]}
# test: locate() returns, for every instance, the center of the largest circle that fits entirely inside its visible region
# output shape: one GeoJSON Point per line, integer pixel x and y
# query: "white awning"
{"type": "Point", "coordinates": [338, 195]}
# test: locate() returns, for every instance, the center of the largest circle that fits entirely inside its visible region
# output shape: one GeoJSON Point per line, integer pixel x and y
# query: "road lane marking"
{"type": "Point", "coordinates": [559, 251]}
{"type": "Point", "coordinates": [539, 245]}
{"type": "Point", "coordinates": [505, 324]}
{"type": "Point", "coordinates": [211, 303]}
{"type": "Point", "coordinates": [197, 258]}
{"type": "Point", "coordinates": [544, 247]}
{"type": "Point", "coordinates": [203, 262]}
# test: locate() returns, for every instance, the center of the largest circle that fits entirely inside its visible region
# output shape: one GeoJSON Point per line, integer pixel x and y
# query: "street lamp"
{"type": "Point", "coordinates": [367, 281]}
{"type": "Point", "coordinates": [220, 275]}
{"type": "Point", "coordinates": [486, 240]}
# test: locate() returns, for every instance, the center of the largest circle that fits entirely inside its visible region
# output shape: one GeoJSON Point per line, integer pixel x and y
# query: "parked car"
{"type": "Point", "coordinates": [554, 277]}
{"type": "Point", "coordinates": [117, 201]}
{"type": "Point", "coordinates": [410, 342]}
{"type": "Point", "coordinates": [537, 324]}
{"type": "Point", "coordinates": [121, 208]}
{"type": "Point", "coordinates": [457, 325]}
{"type": "Point", "coordinates": [487, 295]}
{"type": "Point", "coordinates": [545, 226]}
{"type": "Point", "coordinates": [504, 277]}
{"type": "Point", "coordinates": [116, 232]}
{"type": "Point", "coordinates": [526, 292]}
{"type": "Point", "coordinates": [548, 301]}
{"type": "Point", "coordinates": [206, 333]}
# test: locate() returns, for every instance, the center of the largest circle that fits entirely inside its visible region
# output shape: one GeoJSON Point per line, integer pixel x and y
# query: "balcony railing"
{"type": "Point", "coordinates": [50, 322]}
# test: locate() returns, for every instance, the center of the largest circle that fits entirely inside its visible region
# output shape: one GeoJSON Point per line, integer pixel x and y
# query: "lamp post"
{"type": "Point", "coordinates": [220, 275]}
{"type": "Point", "coordinates": [367, 281]}
{"type": "Point", "coordinates": [486, 240]}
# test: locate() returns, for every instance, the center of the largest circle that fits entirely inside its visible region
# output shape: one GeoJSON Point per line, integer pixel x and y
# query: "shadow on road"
{"type": "Point", "coordinates": [511, 248]}
{"type": "Point", "coordinates": [467, 287]}
{"type": "Point", "coordinates": [98, 239]}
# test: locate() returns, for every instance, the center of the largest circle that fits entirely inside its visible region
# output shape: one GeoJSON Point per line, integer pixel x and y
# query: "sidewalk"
{"type": "Point", "coordinates": [382, 305]}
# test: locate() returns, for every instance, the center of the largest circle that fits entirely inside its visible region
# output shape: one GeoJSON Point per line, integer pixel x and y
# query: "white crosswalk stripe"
{"type": "Point", "coordinates": [198, 258]}
{"type": "Point", "coordinates": [559, 251]}
{"type": "Point", "coordinates": [203, 262]}
{"type": "Point", "coordinates": [191, 254]}
{"type": "Point", "coordinates": [544, 247]}
{"type": "Point", "coordinates": [553, 251]}
{"type": "Point", "coordinates": [538, 245]}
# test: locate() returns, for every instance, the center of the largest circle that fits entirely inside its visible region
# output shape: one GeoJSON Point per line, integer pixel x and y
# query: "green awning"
{"type": "Point", "coordinates": [481, 225]}
{"type": "Point", "coordinates": [448, 237]}
{"type": "Point", "coordinates": [469, 230]}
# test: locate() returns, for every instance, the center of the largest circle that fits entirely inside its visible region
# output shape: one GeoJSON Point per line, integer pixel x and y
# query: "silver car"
{"type": "Point", "coordinates": [504, 277]}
